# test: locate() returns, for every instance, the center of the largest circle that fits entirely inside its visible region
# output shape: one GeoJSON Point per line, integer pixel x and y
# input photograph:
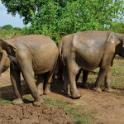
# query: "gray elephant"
{"type": "Point", "coordinates": [84, 77]}
{"type": "Point", "coordinates": [4, 61]}
{"type": "Point", "coordinates": [33, 56]}
{"type": "Point", "coordinates": [89, 50]}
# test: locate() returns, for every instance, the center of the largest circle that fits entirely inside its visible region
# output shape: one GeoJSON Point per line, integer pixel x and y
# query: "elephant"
{"type": "Point", "coordinates": [33, 56]}
{"type": "Point", "coordinates": [4, 61]}
{"type": "Point", "coordinates": [84, 77]}
{"type": "Point", "coordinates": [89, 50]}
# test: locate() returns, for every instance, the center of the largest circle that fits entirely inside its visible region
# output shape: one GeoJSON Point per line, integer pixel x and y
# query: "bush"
{"type": "Point", "coordinates": [7, 27]}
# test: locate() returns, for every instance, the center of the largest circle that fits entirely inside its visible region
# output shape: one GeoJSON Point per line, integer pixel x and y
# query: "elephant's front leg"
{"type": "Point", "coordinates": [72, 72]}
{"type": "Point", "coordinates": [16, 82]}
{"type": "Point", "coordinates": [85, 77]}
{"type": "Point", "coordinates": [100, 79]}
{"type": "Point", "coordinates": [29, 77]}
{"type": "Point", "coordinates": [66, 85]}
{"type": "Point", "coordinates": [40, 84]}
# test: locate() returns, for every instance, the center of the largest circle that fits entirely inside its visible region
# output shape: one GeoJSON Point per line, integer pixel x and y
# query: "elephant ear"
{"type": "Point", "coordinates": [9, 47]}
{"type": "Point", "coordinates": [121, 38]}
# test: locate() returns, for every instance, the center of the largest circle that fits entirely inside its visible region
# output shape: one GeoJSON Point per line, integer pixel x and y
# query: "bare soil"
{"type": "Point", "coordinates": [106, 108]}
{"type": "Point", "coordinates": [28, 114]}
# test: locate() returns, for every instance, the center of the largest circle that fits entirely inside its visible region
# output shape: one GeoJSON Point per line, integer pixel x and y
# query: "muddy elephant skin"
{"type": "Point", "coordinates": [33, 56]}
{"type": "Point", "coordinates": [89, 50]}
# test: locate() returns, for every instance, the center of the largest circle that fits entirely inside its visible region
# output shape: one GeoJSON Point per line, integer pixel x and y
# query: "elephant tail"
{"type": "Point", "coordinates": [52, 73]}
{"type": "Point", "coordinates": [61, 58]}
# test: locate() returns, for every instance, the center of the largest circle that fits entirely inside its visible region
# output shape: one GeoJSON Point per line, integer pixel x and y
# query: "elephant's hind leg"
{"type": "Point", "coordinates": [73, 69]}
{"type": "Point", "coordinates": [16, 82]}
{"type": "Point", "coordinates": [105, 70]}
{"type": "Point", "coordinates": [28, 74]}
{"type": "Point", "coordinates": [108, 79]}
{"type": "Point", "coordinates": [47, 82]}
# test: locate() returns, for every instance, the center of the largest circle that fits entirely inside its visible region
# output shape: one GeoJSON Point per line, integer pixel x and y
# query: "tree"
{"type": "Point", "coordinates": [58, 17]}
{"type": "Point", "coordinates": [7, 27]}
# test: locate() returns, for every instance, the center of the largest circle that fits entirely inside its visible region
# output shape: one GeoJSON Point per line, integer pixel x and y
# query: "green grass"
{"type": "Point", "coordinates": [7, 34]}
{"type": "Point", "coordinates": [117, 81]}
{"type": "Point", "coordinates": [118, 74]}
{"type": "Point", "coordinates": [4, 101]}
{"type": "Point", "coordinates": [79, 118]}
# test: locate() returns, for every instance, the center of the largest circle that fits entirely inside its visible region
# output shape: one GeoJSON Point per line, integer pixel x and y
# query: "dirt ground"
{"type": "Point", "coordinates": [28, 114]}
{"type": "Point", "coordinates": [106, 108]}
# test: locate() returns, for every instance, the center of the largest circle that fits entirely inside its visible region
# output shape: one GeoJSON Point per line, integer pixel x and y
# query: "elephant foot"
{"type": "Point", "coordinates": [38, 102]}
{"type": "Point", "coordinates": [46, 92]}
{"type": "Point", "coordinates": [97, 89]}
{"type": "Point", "coordinates": [40, 93]}
{"type": "Point", "coordinates": [109, 90]}
{"type": "Point", "coordinates": [17, 101]}
{"type": "Point", "coordinates": [75, 95]}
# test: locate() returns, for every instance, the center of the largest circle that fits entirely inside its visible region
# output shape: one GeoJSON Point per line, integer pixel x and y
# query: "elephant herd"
{"type": "Point", "coordinates": [36, 56]}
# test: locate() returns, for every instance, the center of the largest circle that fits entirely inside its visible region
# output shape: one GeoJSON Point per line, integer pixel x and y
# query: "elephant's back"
{"type": "Point", "coordinates": [31, 39]}
{"type": "Point", "coordinates": [86, 37]}
{"type": "Point", "coordinates": [34, 43]}
{"type": "Point", "coordinates": [42, 51]}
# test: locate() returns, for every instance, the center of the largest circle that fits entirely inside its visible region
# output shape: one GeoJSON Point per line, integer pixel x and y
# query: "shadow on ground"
{"type": "Point", "coordinates": [7, 92]}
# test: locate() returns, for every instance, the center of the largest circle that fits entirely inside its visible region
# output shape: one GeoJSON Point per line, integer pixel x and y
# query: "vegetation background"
{"type": "Point", "coordinates": [60, 17]}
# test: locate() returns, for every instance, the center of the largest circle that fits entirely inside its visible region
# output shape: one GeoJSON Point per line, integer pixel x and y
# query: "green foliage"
{"type": "Point", "coordinates": [7, 27]}
{"type": "Point", "coordinates": [60, 17]}
{"type": "Point", "coordinates": [45, 21]}
{"type": "Point", "coordinates": [4, 101]}
{"type": "Point", "coordinates": [6, 32]}
{"type": "Point", "coordinates": [117, 27]}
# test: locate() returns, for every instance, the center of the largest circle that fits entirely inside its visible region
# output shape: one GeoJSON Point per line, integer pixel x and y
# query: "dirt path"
{"type": "Point", "coordinates": [28, 114]}
{"type": "Point", "coordinates": [107, 108]}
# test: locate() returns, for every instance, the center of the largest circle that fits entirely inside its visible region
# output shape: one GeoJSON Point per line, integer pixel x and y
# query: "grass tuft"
{"type": "Point", "coordinates": [79, 118]}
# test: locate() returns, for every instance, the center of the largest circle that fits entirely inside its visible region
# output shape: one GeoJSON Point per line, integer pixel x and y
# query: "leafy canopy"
{"type": "Point", "coordinates": [59, 17]}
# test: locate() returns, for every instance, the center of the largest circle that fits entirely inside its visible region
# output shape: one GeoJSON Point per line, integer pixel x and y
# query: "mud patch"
{"type": "Point", "coordinates": [28, 114]}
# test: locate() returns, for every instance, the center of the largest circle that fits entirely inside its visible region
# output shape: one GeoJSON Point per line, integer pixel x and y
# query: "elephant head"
{"type": "Point", "coordinates": [8, 47]}
{"type": "Point", "coordinates": [7, 53]}
{"type": "Point", "coordinates": [120, 46]}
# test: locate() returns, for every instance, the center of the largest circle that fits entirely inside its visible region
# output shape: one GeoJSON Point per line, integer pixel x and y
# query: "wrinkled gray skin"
{"type": "Point", "coordinates": [35, 57]}
{"type": "Point", "coordinates": [88, 51]}
{"type": "Point", "coordinates": [59, 72]}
